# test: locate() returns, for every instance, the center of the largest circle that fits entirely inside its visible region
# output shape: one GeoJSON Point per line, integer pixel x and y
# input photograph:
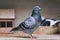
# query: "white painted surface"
{"type": "Point", "coordinates": [7, 13]}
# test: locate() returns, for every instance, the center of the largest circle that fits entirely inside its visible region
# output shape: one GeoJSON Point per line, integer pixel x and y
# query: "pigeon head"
{"type": "Point", "coordinates": [36, 11]}
{"type": "Point", "coordinates": [37, 8]}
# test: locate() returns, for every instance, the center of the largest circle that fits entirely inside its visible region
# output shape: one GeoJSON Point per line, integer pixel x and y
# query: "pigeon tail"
{"type": "Point", "coordinates": [14, 29]}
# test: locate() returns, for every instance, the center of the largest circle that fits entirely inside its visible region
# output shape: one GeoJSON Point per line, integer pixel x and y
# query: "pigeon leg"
{"type": "Point", "coordinates": [31, 36]}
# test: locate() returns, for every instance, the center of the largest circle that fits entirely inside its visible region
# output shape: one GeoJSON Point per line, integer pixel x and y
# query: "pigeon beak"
{"type": "Point", "coordinates": [39, 8]}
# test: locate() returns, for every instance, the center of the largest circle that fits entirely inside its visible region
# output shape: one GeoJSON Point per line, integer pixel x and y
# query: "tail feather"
{"type": "Point", "coordinates": [14, 29]}
{"type": "Point", "coordinates": [18, 28]}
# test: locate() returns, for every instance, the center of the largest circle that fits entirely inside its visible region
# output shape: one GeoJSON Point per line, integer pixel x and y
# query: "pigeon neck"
{"type": "Point", "coordinates": [35, 13]}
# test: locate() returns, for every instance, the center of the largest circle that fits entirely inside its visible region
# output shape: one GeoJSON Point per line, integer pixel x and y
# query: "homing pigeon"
{"type": "Point", "coordinates": [30, 24]}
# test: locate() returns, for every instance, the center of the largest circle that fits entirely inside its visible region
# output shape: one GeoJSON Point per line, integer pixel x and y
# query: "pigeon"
{"type": "Point", "coordinates": [49, 22]}
{"type": "Point", "coordinates": [45, 23]}
{"type": "Point", "coordinates": [30, 24]}
{"type": "Point", "coordinates": [53, 22]}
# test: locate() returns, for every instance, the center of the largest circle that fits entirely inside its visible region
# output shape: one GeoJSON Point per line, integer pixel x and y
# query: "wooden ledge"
{"type": "Point", "coordinates": [6, 33]}
{"type": "Point", "coordinates": [39, 31]}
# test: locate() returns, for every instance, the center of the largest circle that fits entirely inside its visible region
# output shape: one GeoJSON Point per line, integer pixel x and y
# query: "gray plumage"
{"type": "Point", "coordinates": [30, 24]}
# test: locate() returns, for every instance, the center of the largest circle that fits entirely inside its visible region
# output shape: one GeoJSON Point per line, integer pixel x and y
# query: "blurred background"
{"type": "Point", "coordinates": [23, 9]}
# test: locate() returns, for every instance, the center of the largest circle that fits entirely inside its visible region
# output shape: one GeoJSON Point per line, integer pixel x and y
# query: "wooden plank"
{"type": "Point", "coordinates": [38, 37]}
{"type": "Point", "coordinates": [4, 32]}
